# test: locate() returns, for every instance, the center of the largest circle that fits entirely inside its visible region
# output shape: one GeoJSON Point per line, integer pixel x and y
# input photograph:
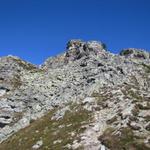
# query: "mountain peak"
{"type": "Point", "coordinates": [87, 97]}
{"type": "Point", "coordinates": [77, 49]}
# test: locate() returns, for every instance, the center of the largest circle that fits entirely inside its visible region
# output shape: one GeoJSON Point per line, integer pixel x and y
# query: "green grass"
{"type": "Point", "coordinates": [48, 130]}
{"type": "Point", "coordinates": [126, 140]}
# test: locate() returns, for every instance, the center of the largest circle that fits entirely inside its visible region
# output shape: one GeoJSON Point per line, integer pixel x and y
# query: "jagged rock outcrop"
{"type": "Point", "coordinates": [77, 49]}
{"type": "Point", "coordinates": [86, 98]}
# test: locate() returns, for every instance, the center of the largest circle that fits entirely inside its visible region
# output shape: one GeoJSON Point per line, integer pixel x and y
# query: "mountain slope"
{"type": "Point", "coordinates": [86, 98]}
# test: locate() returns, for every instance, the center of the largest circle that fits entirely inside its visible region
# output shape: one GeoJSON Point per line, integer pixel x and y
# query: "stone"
{"type": "Point", "coordinates": [135, 53]}
{"type": "Point", "coordinates": [88, 100]}
{"type": "Point", "coordinates": [60, 113]}
{"type": "Point", "coordinates": [2, 92]}
{"type": "Point", "coordinates": [37, 107]}
{"type": "Point", "coordinates": [96, 128]}
{"type": "Point", "coordinates": [57, 141]}
{"type": "Point", "coordinates": [78, 49]}
{"type": "Point", "coordinates": [147, 127]}
{"type": "Point", "coordinates": [134, 126]}
{"type": "Point", "coordinates": [112, 89]}
{"type": "Point", "coordinates": [38, 144]}
{"type": "Point", "coordinates": [103, 147]}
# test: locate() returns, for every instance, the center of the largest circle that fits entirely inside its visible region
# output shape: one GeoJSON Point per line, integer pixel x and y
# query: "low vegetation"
{"type": "Point", "coordinates": [55, 134]}
{"type": "Point", "coordinates": [122, 140]}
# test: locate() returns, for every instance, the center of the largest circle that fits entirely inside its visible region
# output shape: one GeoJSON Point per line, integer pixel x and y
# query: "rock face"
{"type": "Point", "coordinates": [86, 98]}
{"type": "Point", "coordinates": [79, 49]}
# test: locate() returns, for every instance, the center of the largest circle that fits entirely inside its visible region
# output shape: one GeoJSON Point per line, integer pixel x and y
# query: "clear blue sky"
{"type": "Point", "coordinates": [37, 29]}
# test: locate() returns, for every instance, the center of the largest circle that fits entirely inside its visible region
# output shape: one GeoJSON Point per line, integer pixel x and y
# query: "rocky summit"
{"type": "Point", "coordinates": [84, 99]}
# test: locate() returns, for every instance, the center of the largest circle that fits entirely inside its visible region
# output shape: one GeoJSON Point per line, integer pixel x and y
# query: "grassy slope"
{"type": "Point", "coordinates": [49, 131]}
{"type": "Point", "coordinates": [126, 140]}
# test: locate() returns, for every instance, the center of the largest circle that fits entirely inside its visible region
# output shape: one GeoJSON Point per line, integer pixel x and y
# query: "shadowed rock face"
{"type": "Point", "coordinates": [87, 98]}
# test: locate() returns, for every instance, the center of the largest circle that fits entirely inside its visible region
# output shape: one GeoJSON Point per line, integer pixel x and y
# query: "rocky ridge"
{"type": "Point", "coordinates": [110, 95]}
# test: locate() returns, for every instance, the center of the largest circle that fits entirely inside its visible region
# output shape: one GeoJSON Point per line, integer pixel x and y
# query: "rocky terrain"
{"type": "Point", "coordinates": [86, 98]}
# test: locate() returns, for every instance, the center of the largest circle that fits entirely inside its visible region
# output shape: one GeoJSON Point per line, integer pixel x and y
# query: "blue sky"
{"type": "Point", "coordinates": [37, 29]}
